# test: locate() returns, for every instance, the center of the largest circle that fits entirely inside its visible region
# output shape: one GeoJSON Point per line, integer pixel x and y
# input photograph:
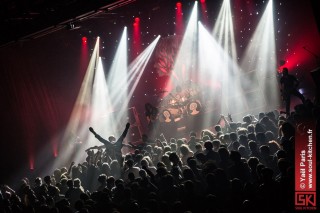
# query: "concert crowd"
{"type": "Point", "coordinates": [245, 166]}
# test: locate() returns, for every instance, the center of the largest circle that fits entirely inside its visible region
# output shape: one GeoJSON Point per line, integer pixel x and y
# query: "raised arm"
{"type": "Point", "coordinates": [101, 139]}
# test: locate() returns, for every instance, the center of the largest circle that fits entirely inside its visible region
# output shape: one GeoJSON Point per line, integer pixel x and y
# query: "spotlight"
{"type": "Point", "coordinates": [179, 4]}
{"type": "Point", "coordinates": [137, 20]}
{"type": "Point", "coordinates": [84, 40]}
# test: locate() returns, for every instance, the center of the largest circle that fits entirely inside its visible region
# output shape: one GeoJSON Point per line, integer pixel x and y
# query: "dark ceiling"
{"type": "Point", "coordinates": [29, 19]}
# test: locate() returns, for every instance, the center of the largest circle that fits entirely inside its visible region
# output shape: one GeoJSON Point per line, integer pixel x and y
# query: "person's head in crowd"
{"type": "Point", "coordinates": [233, 126]}
{"type": "Point", "coordinates": [38, 181]}
{"type": "Point", "coordinates": [114, 166]}
{"type": "Point", "coordinates": [174, 158]}
{"type": "Point", "coordinates": [162, 171]}
{"type": "Point", "coordinates": [111, 139]}
{"type": "Point", "coordinates": [161, 164]}
{"type": "Point", "coordinates": [261, 115]}
{"type": "Point", "coordinates": [173, 140]}
{"type": "Point", "coordinates": [253, 146]}
{"type": "Point", "coordinates": [235, 146]}
{"type": "Point", "coordinates": [287, 130]}
{"type": "Point", "coordinates": [165, 159]}
{"type": "Point", "coordinates": [226, 139]}
{"type": "Point", "coordinates": [281, 154]}
{"type": "Point", "coordinates": [208, 145]}
{"type": "Point", "coordinates": [173, 147]}
{"type": "Point", "coordinates": [179, 142]}
{"type": "Point", "coordinates": [47, 180]}
{"type": "Point", "coordinates": [201, 157]}
{"type": "Point", "coordinates": [184, 150]}
{"type": "Point", "coordinates": [192, 134]}
{"type": "Point", "coordinates": [274, 147]}
{"type": "Point", "coordinates": [110, 182]}
{"type": "Point", "coordinates": [252, 137]}
{"type": "Point", "coordinates": [243, 140]}
{"type": "Point", "coordinates": [77, 183]}
{"type": "Point", "coordinates": [233, 136]}
{"type": "Point", "coordinates": [283, 165]}
{"type": "Point", "coordinates": [70, 183]}
{"type": "Point", "coordinates": [166, 149]}
{"type": "Point", "coordinates": [216, 144]}
{"type": "Point", "coordinates": [224, 154]}
{"type": "Point", "coordinates": [192, 163]}
{"type": "Point", "coordinates": [242, 131]}
{"type": "Point", "coordinates": [143, 174]}
{"type": "Point", "coordinates": [217, 128]}
{"type": "Point", "coordinates": [247, 119]}
{"type": "Point", "coordinates": [105, 168]}
{"type": "Point", "coordinates": [144, 163]}
{"type": "Point", "coordinates": [261, 138]}
{"type": "Point", "coordinates": [265, 151]}
{"type": "Point", "coordinates": [149, 149]}
{"type": "Point", "coordinates": [269, 136]}
{"type": "Point", "coordinates": [253, 163]}
{"type": "Point", "coordinates": [102, 179]}
{"type": "Point", "coordinates": [235, 156]}
{"type": "Point", "coordinates": [250, 129]}
{"type": "Point", "coordinates": [259, 128]}
{"type": "Point", "coordinates": [198, 147]}
{"type": "Point", "coordinates": [243, 151]}
{"type": "Point", "coordinates": [129, 163]}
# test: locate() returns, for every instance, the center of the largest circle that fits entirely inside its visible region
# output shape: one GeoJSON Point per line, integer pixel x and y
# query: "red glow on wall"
{"type": "Point", "coordinates": [204, 12]}
{"type": "Point", "coordinates": [136, 46]}
{"type": "Point", "coordinates": [31, 163]}
{"type": "Point", "coordinates": [84, 40]}
{"type": "Point", "coordinates": [179, 19]}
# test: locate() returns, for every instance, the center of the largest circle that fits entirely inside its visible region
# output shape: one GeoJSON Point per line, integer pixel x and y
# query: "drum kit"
{"type": "Point", "coordinates": [179, 105]}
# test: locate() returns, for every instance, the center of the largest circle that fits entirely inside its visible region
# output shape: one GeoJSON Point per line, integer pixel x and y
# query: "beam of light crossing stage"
{"type": "Point", "coordinates": [223, 30]}
{"type": "Point", "coordinates": [117, 74]}
{"type": "Point", "coordinates": [260, 59]}
{"type": "Point", "coordinates": [217, 72]}
{"type": "Point", "coordinates": [185, 63]}
{"type": "Point", "coordinates": [77, 127]}
{"type": "Point", "coordinates": [137, 67]}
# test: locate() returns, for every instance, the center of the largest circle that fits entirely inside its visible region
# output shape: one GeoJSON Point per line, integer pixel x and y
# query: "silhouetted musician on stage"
{"type": "Point", "coordinates": [113, 147]}
{"type": "Point", "coordinates": [289, 84]}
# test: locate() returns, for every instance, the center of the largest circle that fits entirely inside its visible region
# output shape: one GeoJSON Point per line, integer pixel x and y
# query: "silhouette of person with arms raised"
{"type": "Point", "coordinates": [112, 144]}
{"type": "Point", "coordinates": [289, 85]}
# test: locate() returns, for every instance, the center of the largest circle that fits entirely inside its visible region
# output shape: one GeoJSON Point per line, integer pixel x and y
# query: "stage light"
{"type": "Point", "coordinates": [202, 1]}
{"type": "Point", "coordinates": [84, 40]}
{"type": "Point", "coordinates": [137, 20]}
{"type": "Point", "coordinates": [179, 19]}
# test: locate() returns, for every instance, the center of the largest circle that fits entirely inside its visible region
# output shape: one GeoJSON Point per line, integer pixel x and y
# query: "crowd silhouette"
{"type": "Point", "coordinates": [245, 166]}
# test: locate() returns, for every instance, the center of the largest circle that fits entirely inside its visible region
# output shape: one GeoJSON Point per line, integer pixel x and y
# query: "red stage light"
{"type": "Point", "coordinates": [84, 40]}
{"type": "Point", "coordinates": [179, 4]}
{"type": "Point", "coordinates": [137, 20]}
{"type": "Point", "coordinates": [202, 1]}
{"type": "Point", "coordinates": [135, 24]}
